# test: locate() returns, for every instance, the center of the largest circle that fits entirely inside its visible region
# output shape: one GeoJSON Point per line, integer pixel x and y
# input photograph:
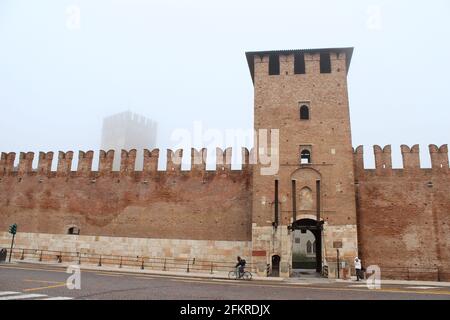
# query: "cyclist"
{"type": "Point", "coordinates": [240, 265]}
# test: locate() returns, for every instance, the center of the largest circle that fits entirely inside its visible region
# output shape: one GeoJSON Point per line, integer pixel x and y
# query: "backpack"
{"type": "Point", "coordinates": [243, 262]}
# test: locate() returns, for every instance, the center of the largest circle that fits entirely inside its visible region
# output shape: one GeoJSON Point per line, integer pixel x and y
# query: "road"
{"type": "Point", "coordinates": [30, 281]}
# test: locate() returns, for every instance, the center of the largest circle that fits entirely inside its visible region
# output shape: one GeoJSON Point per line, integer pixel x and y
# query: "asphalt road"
{"type": "Point", "coordinates": [25, 281]}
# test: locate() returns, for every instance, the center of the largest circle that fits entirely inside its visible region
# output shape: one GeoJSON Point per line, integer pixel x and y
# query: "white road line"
{"type": "Point", "coordinates": [358, 286]}
{"type": "Point", "coordinates": [23, 296]}
{"type": "Point", "coordinates": [57, 298]}
{"type": "Point", "coordinates": [6, 293]}
{"type": "Point", "coordinates": [423, 287]}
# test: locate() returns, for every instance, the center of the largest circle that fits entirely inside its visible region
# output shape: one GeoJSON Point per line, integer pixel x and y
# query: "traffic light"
{"type": "Point", "coordinates": [13, 228]}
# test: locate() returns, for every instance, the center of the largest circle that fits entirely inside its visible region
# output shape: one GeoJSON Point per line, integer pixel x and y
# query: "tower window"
{"type": "Point", "coordinates": [274, 65]}
{"type": "Point", "coordinates": [325, 63]}
{"type": "Point", "coordinates": [305, 157]}
{"type": "Point", "coordinates": [304, 112]}
{"type": "Point", "coordinates": [299, 63]}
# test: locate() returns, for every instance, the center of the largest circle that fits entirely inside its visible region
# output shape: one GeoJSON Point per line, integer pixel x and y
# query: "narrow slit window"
{"type": "Point", "coordinates": [274, 65]}
{"type": "Point", "coordinates": [325, 63]}
{"type": "Point", "coordinates": [299, 63]}
{"type": "Point", "coordinates": [276, 203]}
{"type": "Point", "coordinates": [304, 112]}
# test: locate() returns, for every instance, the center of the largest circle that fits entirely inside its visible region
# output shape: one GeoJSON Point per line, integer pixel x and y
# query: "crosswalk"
{"type": "Point", "coordinates": [13, 295]}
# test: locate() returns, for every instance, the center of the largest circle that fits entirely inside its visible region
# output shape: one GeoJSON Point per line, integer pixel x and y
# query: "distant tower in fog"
{"type": "Point", "coordinates": [128, 131]}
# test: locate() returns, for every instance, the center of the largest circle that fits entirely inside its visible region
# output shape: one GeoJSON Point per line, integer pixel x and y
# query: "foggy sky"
{"type": "Point", "coordinates": [180, 62]}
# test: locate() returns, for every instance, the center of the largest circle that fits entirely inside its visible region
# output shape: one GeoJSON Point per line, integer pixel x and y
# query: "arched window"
{"type": "Point", "coordinates": [304, 112]}
{"type": "Point", "coordinates": [305, 157]}
{"type": "Point", "coordinates": [308, 247]}
{"type": "Point", "coordinates": [73, 230]}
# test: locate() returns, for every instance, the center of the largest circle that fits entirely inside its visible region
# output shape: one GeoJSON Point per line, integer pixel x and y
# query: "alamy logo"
{"type": "Point", "coordinates": [265, 152]}
{"type": "Point", "coordinates": [74, 281]}
{"type": "Point", "coordinates": [374, 277]}
{"type": "Point", "coordinates": [73, 20]}
{"type": "Point", "coordinates": [374, 21]}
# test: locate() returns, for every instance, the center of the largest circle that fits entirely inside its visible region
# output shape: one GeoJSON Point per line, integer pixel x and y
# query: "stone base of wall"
{"type": "Point", "coordinates": [210, 250]}
{"type": "Point", "coordinates": [268, 242]}
{"type": "Point", "coordinates": [343, 238]}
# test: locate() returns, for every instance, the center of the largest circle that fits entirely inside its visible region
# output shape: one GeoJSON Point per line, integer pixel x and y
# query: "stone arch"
{"type": "Point", "coordinates": [306, 174]}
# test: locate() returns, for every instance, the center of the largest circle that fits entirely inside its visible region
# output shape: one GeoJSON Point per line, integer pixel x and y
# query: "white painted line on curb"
{"type": "Point", "coordinates": [57, 298]}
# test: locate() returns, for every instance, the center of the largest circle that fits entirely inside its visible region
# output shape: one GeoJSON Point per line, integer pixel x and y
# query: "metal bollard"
{"type": "Point", "coordinates": [120, 265]}
{"type": "Point", "coordinates": [23, 255]}
{"type": "Point", "coordinates": [142, 266]}
{"type": "Point", "coordinates": [100, 261]}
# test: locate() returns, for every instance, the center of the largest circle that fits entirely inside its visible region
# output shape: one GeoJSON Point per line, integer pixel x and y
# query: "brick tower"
{"type": "Point", "coordinates": [303, 94]}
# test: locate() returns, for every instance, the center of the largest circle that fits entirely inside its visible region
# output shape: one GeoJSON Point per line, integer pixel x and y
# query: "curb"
{"type": "Point", "coordinates": [403, 282]}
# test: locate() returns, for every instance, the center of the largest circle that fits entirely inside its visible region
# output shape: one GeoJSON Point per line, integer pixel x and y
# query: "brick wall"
{"type": "Point", "coordinates": [404, 215]}
{"type": "Point", "coordinates": [171, 204]}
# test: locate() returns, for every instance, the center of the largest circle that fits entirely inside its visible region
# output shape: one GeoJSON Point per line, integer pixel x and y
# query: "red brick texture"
{"type": "Point", "coordinates": [197, 205]}
{"type": "Point", "coordinates": [404, 217]}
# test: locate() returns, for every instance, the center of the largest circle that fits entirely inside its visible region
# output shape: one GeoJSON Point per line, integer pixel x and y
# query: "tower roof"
{"type": "Point", "coordinates": [250, 54]}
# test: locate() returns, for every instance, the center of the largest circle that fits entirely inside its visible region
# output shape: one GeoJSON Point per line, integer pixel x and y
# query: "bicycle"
{"type": "Point", "coordinates": [234, 274]}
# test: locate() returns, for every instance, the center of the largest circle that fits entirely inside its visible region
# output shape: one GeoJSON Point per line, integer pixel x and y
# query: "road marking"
{"type": "Point", "coordinates": [424, 287]}
{"type": "Point", "coordinates": [23, 296]}
{"type": "Point", "coordinates": [11, 295]}
{"type": "Point", "coordinates": [61, 284]}
{"type": "Point", "coordinates": [358, 286]}
{"type": "Point", "coordinates": [41, 281]}
{"type": "Point", "coordinates": [327, 288]}
{"type": "Point", "coordinates": [108, 274]}
{"type": "Point", "coordinates": [34, 269]}
{"type": "Point", "coordinates": [6, 293]}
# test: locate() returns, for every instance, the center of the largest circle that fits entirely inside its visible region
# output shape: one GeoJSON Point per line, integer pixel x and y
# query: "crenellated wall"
{"type": "Point", "coordinates": [404, 214]}
{"type": "Point", "coordinates": [198, 204]}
